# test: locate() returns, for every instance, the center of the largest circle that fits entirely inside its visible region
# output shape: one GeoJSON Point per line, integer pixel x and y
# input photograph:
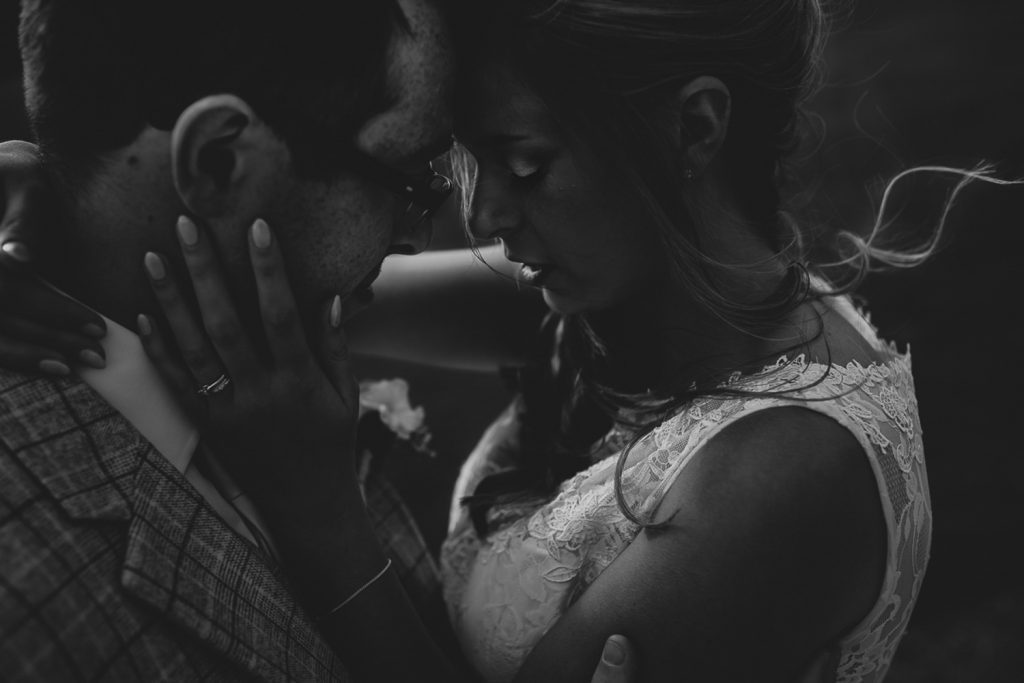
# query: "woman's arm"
{"type": "Point", "coordinates": [284, 428]}
{"type": "Point", "coordinates": [775, 547]}
{"type": "Point", "coordinates": [449, 308]}
{"type": "Point", "coordinates": [41, 330]}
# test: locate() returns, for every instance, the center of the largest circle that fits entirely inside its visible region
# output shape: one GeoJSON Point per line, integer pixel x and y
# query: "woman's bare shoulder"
{"type": "Point", "coordinates": [772, 548]}
{"type": "Point", "coordinates": [797, 489]}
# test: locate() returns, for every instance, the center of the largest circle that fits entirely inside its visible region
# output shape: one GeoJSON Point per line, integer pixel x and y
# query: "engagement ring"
{"type": "Point", "coordinates": [216, 386]}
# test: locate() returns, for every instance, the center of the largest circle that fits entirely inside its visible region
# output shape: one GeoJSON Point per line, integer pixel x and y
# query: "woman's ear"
{"type": "Point", "coordinates": [222, 157]}
{"type": "Point", "coordinates": [700, 121]}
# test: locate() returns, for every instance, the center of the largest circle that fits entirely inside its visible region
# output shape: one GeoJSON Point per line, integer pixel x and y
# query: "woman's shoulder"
{"type": "Point", "coordinates": [785, 448]}
{"type": "Point", "coordinates": [782, 448]}
{"type": "Point", "coordinates": [815, 416]}
{"type": "Point", "coordinates": [783, 498]}
{"type": "Point", "coordinates": [848, 373]}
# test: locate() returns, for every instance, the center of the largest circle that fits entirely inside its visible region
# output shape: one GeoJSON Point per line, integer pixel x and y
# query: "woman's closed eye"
{"type": "Point", "coordinates": [525, 168]}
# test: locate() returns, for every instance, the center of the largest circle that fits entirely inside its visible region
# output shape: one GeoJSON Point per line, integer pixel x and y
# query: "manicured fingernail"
{"type": "Point", "coordinates": [614, 654]}
{"type": "Point", "coordinates": [336, 312]}
{"type": "Point", "coordinates": [145, 327]}
{"type": "Point", "coordinates": [17, 251]}
{"type": "Point", "coordinates": [155, 266]}
{"type": "Point", "coordinates": [261, 233]}
{"type": "Point", "coordinates": [92, 359]}
{"type": "Point", "coordinates": [54, 367]}
{"type": "Point", "coordinates": [187, 232]}
{"type": "Point", "coordinates": [94, 330]}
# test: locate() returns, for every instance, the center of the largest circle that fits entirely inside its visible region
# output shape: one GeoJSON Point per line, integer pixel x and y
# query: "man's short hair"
{"type": "Point", "coordinates": [98, 71]}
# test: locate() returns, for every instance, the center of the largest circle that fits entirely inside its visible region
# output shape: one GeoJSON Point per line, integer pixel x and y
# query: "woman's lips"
{"type": "Point", "coordinates": [535, 274]}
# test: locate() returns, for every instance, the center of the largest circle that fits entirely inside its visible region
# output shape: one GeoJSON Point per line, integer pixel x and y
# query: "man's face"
{"type": "Point", "coordinates": [335, 234]}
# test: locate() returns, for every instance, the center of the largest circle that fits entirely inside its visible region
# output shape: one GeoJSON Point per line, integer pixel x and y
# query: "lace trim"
{"type": "Point", "coordinates": [504, 593]}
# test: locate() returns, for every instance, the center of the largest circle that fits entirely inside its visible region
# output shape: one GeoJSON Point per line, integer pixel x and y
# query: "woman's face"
{"type": "Point", "coordinates": [558, 211]}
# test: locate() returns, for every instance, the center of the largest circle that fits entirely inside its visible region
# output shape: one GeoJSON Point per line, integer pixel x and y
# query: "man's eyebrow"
{"type": "Point", "coordinates": [434, 149]}
{"type": "Point", "coordinates": [500, 139]}
{"type": "Point", "coordinates": [506, 138]}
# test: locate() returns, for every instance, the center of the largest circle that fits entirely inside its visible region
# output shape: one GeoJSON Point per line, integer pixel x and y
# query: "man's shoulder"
{"type": "Point", "coordinates": [61, 437]}
{"type": "Point", "coordinates": [16, 383]}
{"type": "Point", "coordinates": [46, 405]}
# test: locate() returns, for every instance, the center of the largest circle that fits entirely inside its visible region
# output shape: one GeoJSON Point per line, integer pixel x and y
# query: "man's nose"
{"type": "Point", "coordinates": [414, 238]}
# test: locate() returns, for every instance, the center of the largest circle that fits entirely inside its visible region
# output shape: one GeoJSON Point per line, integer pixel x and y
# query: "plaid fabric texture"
{"type": "Point", "coordinates": [113, 568]}
{"type": "Point", "coordinates": [403, 542]}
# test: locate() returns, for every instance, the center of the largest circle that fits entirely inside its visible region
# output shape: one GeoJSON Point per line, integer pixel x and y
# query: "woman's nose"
{"type": "Point", "coordinates": [491, 215]}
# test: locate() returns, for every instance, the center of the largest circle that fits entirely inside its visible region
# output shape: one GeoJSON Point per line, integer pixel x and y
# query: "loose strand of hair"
{"type": "Point", "coordinates": [871, 255]}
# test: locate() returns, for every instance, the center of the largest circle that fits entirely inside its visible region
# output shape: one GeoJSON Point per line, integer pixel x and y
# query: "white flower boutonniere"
{"type": "Point", "coordinates": [389, 399]}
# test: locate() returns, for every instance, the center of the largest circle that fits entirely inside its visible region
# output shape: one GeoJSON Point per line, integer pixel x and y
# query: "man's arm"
{"type": "Point", "coordinates": [618, 662]}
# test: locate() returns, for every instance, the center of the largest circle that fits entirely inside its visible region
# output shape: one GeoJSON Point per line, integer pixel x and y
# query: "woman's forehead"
{"type": "Point", "coordinates": [495, 101]}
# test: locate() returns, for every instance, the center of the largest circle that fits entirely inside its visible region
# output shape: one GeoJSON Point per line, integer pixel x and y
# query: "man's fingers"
{"type": "Point", "coordinates": [220, 319]}
{"type": "Point", "coordinates": [281, 320]}
{"type": "Point", "coordinates": [618, 662]}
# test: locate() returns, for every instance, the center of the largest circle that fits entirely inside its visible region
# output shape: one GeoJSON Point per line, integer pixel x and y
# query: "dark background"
{"type": "Point", "coordinates": [911, 82]}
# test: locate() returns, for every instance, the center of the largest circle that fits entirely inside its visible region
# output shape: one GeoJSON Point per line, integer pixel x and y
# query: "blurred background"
{"type": "Point", "coordinates": [911, 82]}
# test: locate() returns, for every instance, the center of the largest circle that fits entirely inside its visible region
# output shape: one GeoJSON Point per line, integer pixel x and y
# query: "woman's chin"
{"type": "Point", "coordinates": [564, 303]}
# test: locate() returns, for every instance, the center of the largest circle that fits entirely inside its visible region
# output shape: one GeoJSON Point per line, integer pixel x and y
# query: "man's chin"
{"type": "Point", "coordinates": [356, 302]}
{"type": "Point", "coordinates": [363, 296]}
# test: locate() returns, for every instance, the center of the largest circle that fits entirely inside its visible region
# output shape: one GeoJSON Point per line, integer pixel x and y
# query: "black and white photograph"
{"type": "Point", "coordinates": [493, 341]}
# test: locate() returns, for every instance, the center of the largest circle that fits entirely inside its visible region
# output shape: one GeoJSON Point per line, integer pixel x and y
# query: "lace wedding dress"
{"type": "Point", "coordinates": [505, 591]}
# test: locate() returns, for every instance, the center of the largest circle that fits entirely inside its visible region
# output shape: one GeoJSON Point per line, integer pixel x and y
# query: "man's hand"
{"type": "Point", "coordinates": [618, 662]}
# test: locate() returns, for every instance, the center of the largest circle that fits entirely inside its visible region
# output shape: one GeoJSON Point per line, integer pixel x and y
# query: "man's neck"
{"type": "Point", "coordinates": [109, 219]}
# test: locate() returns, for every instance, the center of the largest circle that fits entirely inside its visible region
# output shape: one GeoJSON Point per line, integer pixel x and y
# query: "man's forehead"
{"type": "Point", "coordinates": [421, 76]}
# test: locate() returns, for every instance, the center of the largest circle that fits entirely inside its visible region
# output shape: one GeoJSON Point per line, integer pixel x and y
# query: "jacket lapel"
{"type": "Point", "coordinates": [180, 557]}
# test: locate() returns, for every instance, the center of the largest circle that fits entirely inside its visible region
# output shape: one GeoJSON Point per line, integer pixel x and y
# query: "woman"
{"type": "Point", "coordinates": [711, 451]}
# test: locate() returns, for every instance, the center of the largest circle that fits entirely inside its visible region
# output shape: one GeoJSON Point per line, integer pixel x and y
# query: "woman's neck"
{"type": "Point", "coordinates": [666, 341]}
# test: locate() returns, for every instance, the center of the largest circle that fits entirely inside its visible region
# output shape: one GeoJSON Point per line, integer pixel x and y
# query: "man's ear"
{"type": "Point", "coordinates": [223, 156]}
{"type": "Point", "coordinates": [700, 114]}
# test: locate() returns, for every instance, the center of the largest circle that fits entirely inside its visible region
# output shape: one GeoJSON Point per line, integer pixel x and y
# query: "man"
{"type": "Point", "coordinates": [120, 559]}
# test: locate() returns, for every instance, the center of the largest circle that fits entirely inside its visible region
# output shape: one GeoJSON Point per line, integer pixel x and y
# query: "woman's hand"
{"type": "Point", "coordinates": [41, 329]}
{"type": "Point", "coordinates": [284, 424]}
{"type": "Point", "coordinates": [284, 428]}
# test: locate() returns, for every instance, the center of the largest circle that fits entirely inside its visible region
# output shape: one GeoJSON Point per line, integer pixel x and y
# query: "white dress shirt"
{"type": "Point", "coordinates": [132, 385]}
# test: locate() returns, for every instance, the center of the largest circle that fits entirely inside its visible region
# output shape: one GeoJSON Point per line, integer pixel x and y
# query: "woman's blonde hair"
{"type": "Point", "coordinates": [603, 68]}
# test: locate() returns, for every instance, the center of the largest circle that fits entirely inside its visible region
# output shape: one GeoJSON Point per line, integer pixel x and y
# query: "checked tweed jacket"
{"type": "Point", "coordinates": [113, 568]}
